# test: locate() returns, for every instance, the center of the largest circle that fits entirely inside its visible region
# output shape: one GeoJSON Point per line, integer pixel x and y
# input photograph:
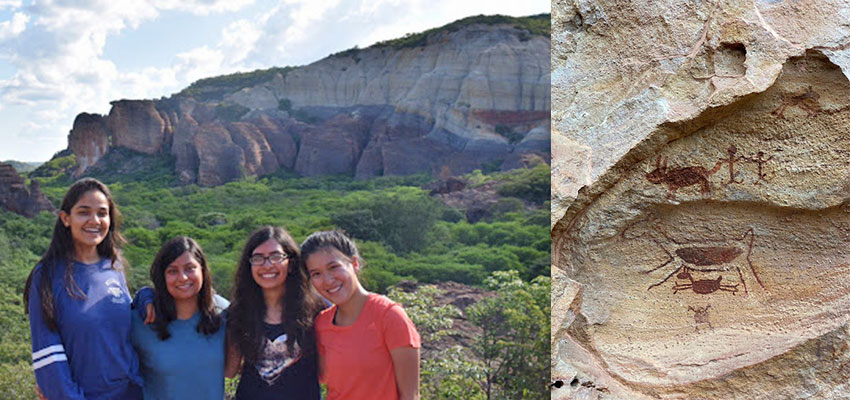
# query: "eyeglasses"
{"type": "Point", "coordinates": [259, 259]}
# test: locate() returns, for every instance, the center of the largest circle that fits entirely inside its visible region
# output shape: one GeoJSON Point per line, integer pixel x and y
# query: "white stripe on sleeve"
{"type": "Point", "coordinates": [49, 360]}
{"type": "Point", "coordinates": [56, 348]}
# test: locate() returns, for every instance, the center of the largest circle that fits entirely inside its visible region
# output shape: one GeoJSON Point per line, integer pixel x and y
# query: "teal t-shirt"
{"type": "Point", "coordinates": [187, 365]}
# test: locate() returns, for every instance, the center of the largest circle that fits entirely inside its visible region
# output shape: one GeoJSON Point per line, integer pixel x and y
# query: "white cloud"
{"type": "Point", "coordinates": [202, 7]}
{"type": "Point", "coordinates": [57, 47]}
{"type": "Point", "coordinates": [10, 4]}
{"type": "Point", "coordinates": [13, 27]}
{"type": "Point", "coordinates": [238, 39]}
{"type": "Point", "coordinates": [199, 63]}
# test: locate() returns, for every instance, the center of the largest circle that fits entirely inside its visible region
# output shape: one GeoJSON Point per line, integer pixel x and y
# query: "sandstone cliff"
{"type": "Point", "coordinates": [19, 198]}
{"type": "Point", "coordinates": [700, 200]}
{"type": "Point", "coordinates": [473, 93]}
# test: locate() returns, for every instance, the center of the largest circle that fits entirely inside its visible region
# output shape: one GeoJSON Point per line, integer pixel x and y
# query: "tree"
{"type": "Point", "coordinates": [401, 220]}
{"type": "Point", "coordinates": [514, 346]}
{"type": "Point", "coordinates": [450, 373]}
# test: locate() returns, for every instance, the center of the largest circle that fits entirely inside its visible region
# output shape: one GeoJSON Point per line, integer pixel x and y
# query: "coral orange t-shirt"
{"type": "Point", "coordinates": [357, 361]}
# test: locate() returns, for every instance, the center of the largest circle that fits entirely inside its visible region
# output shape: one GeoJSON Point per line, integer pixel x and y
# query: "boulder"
{"type": "Point", "coordinates": [331, 148]}
{"type": "Point", "coordinates": [88, 140]}
{"type": "Point", "coordinates": [184, 150]}
{"type": "Point", "coordinates": [259, 158]}
{"type": "Point", "coordinates": [136, 125]}
{"type": "Point", "coordinates": [19, 198]}
{"type": "Point", "coordinates": [219, 159]}
{"type": "Point", "coordinates": [280, 139]}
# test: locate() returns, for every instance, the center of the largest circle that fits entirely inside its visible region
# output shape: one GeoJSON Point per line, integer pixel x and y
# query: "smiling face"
{"type": "Point", "coordinates": [269, 275]}
{"type": "Point", "coordinates": [88, 221]}
{"type": "Point", "coordinates": [333, 275]}
{"type": "Point", "coordinates": [184, 278]}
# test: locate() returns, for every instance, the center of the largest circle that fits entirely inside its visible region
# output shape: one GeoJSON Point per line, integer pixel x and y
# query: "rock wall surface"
{"type": "Point", "coordinates": [19, 198]}
{"type": "Point", "coordinates": [700, 168]}
{"type": "Point", "coordinates": [462, 99]}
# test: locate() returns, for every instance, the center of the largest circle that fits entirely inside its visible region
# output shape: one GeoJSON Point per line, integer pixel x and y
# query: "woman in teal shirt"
{"type": "Point", "coordinates": [182, 352]}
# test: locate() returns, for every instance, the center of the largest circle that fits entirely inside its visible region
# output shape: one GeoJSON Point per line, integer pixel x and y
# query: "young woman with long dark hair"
{"type": "Point", "coordinates": [368, 347]}
{"type": "Point", "coordinates": [270, 321]}
{"type": "Point", "coordinates": [79, 304]}
{"type": "Point", "coordinates": [182, 351]}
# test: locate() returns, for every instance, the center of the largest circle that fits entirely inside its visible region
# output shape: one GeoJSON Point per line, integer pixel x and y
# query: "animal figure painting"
{"type": "Point", "coordinates": [681, 177]}
{"type": "Point", "coordinates": [716, 256]}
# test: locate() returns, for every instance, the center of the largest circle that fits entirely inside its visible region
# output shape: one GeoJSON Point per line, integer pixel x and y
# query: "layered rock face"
{"type": "Point", "coordinates": [706, 252]}
{"type": "Point", "coordinates": [464, 98]}
{"type": "Point", "coordinates": [15, 196]}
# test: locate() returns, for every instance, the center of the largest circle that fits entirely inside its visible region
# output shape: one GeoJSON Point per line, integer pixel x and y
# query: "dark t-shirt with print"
{"type": "Point", "coordinates": [280, 373]}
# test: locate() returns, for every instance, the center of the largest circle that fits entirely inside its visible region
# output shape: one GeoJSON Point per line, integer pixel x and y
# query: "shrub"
{"type": "Point", "coordinates": [230, 111]}
{"type": "Point", "coordinates": [529, 184]}
{"type": "Point", "coordinates": [284, 105]}
{"type": "Point", "coordinates": [400, 220]}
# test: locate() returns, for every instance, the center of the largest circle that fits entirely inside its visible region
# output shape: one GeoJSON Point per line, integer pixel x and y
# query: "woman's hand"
{"type": "Point", "coordinates": [39, 394]}
{"type": "Point", "coordinates": [150, 314]}
{"type": "Point", "coordinates": [232, 358]}
{"type": "Point", "coordinates": [406, 366]}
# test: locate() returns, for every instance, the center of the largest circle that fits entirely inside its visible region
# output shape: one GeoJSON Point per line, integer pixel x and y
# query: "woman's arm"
{"type": "Point", "coordinates": [232, 358]}
{"type": "Point", "coordinates": [50, 363]}
{"type": "Point", "coordinates": [406, 366]}
{"type": "Point", "coordinates": [143, 304]}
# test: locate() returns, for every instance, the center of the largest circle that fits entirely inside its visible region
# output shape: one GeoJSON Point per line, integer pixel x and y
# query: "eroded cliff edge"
{"type": "Point", "coordinates": [473, 93]}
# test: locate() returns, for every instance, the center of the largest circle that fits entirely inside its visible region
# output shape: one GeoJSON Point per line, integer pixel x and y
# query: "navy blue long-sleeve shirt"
{"type": "Point", "coordinates": [90, 356]}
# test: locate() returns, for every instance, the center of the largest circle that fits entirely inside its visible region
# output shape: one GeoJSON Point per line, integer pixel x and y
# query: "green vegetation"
{"type": "Point", "coordinates": [230, 111]}
{"type": "Point", "coordinates": [23, 167]}
{"type": "Point", "coordinates": [533, 25]}
{"type": "Point", "coordinates": [529, 184]}
{"type": "Point", "coordinates": [509, 360]}
{"type": "Point", "coordinates": [514, 346]}
{"type": "Point", "coordinates": [16, 378]}
{"type": "Point", "coordinates": [54, 167]}
{"type": "Point", "coordinates": [214, 88]}
{"type": "Point", "coordinates": [284, 105]}
{"type": "Point", "coordinates": [402, 232]}
{"type": "Point", "coordinates": [400, 220]}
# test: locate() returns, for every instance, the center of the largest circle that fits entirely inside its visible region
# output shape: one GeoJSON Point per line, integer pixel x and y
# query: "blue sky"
{"type": "Point", "coordinates": [62, 57]}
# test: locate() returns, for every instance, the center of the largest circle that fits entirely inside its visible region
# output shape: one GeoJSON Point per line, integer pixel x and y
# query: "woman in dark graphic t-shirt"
{"type": "Point", "coordinates": [270, 322]}
{"type": "Point", "coordinates": [276, 373]}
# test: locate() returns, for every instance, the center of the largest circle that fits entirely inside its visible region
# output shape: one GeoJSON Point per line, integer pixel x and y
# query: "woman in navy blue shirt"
{"type": "Point", "coordinates": [79, 304]}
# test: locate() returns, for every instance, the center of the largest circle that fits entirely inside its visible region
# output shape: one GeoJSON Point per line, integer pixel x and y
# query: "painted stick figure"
{"type": "Point", "coordinates": [760, 161]}
{"type": "Point", "coordinates": [731, 160]}
{"type": "Point", "coordinates": [701, 316]}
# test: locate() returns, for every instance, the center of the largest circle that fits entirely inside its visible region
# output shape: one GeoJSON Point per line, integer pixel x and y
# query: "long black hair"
{"type": "Point", "coordinates": [166, 310]}
{"type": "Point", "coordinates": [61, 250]}
{"type": "Point", "coordinates": [246, 313]}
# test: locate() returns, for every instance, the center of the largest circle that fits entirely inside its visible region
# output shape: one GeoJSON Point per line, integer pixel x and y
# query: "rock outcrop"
{"type": "Point", "coordinates": [464, 96]}
{"type": "Point", "coordinates": [137, 125]}
{"type": "Point", "coordinates": [19, 198]}
{"type": "Point", "coordinates": [700, 183]}
{"type": "Point", "coordinates": [88, 140]}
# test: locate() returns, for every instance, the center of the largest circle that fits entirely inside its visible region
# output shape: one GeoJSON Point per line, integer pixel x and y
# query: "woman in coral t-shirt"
{"type": "Point", "coordinates": [368, 347]}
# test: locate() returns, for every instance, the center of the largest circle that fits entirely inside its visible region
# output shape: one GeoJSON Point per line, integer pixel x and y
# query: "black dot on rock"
{"type": "Point", "coordinates": [575, 382]}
